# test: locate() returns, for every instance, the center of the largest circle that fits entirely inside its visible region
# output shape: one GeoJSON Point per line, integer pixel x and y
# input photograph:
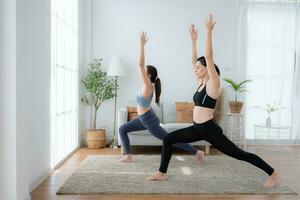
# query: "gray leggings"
{"type": "Point", "coordinates": [148, 121]}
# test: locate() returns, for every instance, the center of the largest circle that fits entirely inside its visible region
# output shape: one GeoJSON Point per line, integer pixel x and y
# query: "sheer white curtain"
{"type": "Point", "coordinates": [64, 79]}
{"type": "Point", "coordinates": [268, 57]}
{"type": "Point", "coordinates": [296, 103]}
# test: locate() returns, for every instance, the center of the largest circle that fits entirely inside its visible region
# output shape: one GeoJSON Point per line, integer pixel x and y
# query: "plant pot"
{"type": "Point", "coordinates": [235, 106]}
{"type": "Point", "coordinates": [95, 139]}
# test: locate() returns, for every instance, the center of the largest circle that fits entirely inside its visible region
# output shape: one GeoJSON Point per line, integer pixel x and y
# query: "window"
{"type": "Point", "coordinates": [270, 62]}
{"type": "Point", "coordinates": [64, 78]}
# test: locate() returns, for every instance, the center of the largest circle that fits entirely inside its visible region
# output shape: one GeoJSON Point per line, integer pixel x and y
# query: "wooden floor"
{"type": "Point", "coordinates": [284, 158]}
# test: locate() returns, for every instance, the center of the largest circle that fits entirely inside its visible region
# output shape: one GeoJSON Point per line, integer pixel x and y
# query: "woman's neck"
{"type": "Point", "coordinates": [203, 80]}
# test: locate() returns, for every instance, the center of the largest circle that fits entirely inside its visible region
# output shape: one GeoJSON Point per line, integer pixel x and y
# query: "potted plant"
{"type": "Point", "coordinates": [99, 88]}
{"type": "Point", "coordinates": [238, 88]}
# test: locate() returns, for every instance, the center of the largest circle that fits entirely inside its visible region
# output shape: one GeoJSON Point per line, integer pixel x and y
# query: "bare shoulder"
{"type": "Point", "coordinates": [146, 90]}
{"type": "Point", "coordinates": [213, 90]}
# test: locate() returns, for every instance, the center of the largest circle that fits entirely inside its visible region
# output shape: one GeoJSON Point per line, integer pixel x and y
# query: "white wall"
{"type": "Point", "coordinates": [33, 92]}
{"type": "Point", "coordinates": [8, 158]}
{"type": "Point", "coordinates": [85, 54]}
{"type": "Point", "coordinates": [115, 31]}
{"type": "Point", "coordinates": [25, 96]}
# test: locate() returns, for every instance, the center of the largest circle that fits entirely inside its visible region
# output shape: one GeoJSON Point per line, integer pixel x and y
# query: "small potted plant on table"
{"type": "Point", "coordinates": [238, 88]}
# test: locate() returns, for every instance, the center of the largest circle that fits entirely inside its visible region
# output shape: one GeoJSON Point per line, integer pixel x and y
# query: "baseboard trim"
{"type": "Point", "coordinates": [64, 160]}
{"type": "Point", "coordinates": [28, 197]}
{"type": "Point", "coordinates": [49, 171]}
{"type": "Point", "coordinates": [270, 142]}
{"type": "Point", "coordinates": [39, 180]}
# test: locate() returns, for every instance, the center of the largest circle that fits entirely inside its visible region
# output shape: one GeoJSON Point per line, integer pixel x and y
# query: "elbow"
{"type": "Point", "coordinates": [208, 52]}
{"type": "Point", "coordinates": [209, 55]}
{"type": "Point", "coordinates": [141, 63]}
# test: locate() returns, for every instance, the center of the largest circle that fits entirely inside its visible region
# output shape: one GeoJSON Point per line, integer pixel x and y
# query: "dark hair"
{"type": "Point", "coordinates": [202, 60]}
{"type": "Point", "coordinates": [154, 79]}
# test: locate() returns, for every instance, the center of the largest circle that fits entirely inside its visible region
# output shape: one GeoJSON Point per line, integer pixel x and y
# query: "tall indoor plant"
{"type": "Point", "coordinates": [99, 88]}
{"type": "Point", "coordinates": [238, 88]}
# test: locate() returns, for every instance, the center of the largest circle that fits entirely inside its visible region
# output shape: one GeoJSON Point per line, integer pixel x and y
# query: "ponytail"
{"type": "Point", "coordinates": [157, 85]}
{"type": "Point", "coordinates": [156, 81]}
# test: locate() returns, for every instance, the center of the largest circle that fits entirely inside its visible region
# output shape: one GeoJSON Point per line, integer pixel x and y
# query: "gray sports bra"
{"type": "Point", "coordinates": [142, 101]}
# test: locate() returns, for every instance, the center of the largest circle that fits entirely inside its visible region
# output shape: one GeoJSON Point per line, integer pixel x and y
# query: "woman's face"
{"type": "Point", "coordinates": [200, 70]}
{"type": "Point", "coordinates": [149, 75]}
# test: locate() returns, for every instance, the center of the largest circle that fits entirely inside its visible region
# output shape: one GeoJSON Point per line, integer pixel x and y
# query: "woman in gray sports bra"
{"type": "Point", "coordinates": [147, 118]}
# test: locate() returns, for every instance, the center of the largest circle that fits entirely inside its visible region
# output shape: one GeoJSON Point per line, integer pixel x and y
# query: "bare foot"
{"type": "Point", "coordinates": [126, 158]}
{"type": "Point", "coordinates": [158, 176]}
{"type": "Point", "coordinates": [271, 181]}
{"type": "Point", "coordinates": [200, 157]}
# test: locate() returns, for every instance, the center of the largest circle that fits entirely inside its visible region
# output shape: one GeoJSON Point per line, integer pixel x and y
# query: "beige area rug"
{"type": "Point", "coordinates": [219, 175]}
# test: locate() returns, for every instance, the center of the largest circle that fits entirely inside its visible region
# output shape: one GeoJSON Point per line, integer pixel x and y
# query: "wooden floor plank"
{"type": "Point", "coordinates": [284, 158]}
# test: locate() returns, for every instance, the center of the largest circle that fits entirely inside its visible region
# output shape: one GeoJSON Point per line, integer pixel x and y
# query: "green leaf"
{"type": "Point", "coordinates": [232, 83]}
{"type": "Point", "coordinates": [243, 82]}
{"type": "Point", "coordinates": [241, 91]}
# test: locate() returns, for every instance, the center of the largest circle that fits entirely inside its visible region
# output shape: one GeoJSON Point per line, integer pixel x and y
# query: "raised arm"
{"type": "Point", "coordinates": [212, 72]}
{"type": "Point", "coordinates": [194, 35]}
{"type": "Point", "coordinates": [142, 70]}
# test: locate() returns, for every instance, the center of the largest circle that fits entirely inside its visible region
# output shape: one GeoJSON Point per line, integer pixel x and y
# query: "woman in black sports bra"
{"type": "Point", "coordinates": [204, 128]}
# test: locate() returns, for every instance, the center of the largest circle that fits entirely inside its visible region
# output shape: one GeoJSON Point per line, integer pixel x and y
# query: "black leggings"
{"type": "Point", "coordinates": [212, 133]}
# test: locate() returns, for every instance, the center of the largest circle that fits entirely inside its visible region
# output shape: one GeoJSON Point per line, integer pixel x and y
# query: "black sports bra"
{"type": "Point", "coordinates": [203, 99]}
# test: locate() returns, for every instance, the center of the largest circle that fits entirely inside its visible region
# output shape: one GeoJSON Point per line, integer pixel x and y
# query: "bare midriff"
{"type": "Point", "coordinates": [202, 114]}
{"type": "Point", "coordinates": [142, 110]}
